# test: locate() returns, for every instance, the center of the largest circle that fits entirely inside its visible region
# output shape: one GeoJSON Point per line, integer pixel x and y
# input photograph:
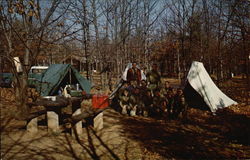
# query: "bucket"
{"type": "Point", "coordinates": [100, 101]}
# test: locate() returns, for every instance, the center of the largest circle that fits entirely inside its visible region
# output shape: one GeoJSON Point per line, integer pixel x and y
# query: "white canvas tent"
{"type": "Point", "coordinates": [200, 81]}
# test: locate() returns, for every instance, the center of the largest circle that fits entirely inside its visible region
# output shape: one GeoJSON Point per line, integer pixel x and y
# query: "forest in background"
{"type": "Point", "coordinates": [112, 33]}
{"type": "Point", "coordinates": [107, 34]}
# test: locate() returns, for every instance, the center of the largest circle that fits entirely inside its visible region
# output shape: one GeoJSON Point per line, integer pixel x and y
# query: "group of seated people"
{"type": "Point", "coordinates": [143, 100]}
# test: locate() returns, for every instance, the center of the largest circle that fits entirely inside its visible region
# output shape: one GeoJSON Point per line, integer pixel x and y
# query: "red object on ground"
{"type": "Point", "coordinates": [100, 101]}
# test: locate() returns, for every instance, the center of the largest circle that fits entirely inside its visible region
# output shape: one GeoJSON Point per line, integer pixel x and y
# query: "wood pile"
{"type": "Point", "coordinates": [7, 94]}
{"type": "Point", "coordinates": [32, 94]}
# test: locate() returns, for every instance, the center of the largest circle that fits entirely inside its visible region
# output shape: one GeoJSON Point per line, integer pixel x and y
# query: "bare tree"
{"type": "Point", "coordinates": [33, 23]}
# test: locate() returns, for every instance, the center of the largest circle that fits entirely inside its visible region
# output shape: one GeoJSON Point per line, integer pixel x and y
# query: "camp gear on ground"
{"type": "Point", "coordinates": [100, 101]}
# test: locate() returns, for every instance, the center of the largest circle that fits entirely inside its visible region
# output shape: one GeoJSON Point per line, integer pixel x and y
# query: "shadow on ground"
{"type": "Point", "coordinates": [202, 135]}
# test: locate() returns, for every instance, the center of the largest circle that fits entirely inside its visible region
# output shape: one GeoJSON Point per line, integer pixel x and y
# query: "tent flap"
{"type": "Point", "coordinates": [84, 83]}
{"type": "Point", "coordinates": [201, 82]}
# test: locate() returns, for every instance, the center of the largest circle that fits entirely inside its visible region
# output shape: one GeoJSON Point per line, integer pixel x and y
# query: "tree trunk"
{"type": "Point", "coordinates": [97, 51]}
{"type": "Point", "coordinates": [21, 96]}
{"type": "Point", "coordinates": [85, 25]}
{"type": "Point", "coordinates": [246, 64]}
{"type": "Point", "coordinates": [145, 30]}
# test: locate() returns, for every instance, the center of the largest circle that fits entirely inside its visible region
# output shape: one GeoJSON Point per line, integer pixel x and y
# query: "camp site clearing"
{"type": "Point", "coordinates": [224, 135]}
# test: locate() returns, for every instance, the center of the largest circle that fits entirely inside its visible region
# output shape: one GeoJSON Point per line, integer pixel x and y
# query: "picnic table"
{"type": "Point", "coordinates": [53, 109]}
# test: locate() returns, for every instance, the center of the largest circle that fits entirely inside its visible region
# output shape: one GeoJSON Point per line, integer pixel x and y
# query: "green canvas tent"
{"type": "Point", "coordinates": [59, 75]}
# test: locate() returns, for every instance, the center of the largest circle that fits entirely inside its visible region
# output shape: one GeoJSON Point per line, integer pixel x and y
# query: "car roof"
{"type": "Point", "coordinates": [39, 67]}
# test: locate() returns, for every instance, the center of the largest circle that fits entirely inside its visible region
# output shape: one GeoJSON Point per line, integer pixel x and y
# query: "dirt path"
{"type": "Point", "coordinates": [109, 143]}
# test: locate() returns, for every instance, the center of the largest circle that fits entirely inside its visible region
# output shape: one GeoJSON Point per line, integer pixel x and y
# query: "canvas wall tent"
{"type": "Point", "coordinates": [59, 75]}
{"type": "Point", "coordinates": [200, 90]}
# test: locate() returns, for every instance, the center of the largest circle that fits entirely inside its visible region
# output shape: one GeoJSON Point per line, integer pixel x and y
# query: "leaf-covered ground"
{"type": "Point", "coordinates": [201, 135]}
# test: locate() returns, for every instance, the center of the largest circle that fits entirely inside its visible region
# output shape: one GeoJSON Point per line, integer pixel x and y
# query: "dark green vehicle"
{"type": "Point", "coordinates": [6, 80]}
{"type": "Point", "coordinates": [36, 74]}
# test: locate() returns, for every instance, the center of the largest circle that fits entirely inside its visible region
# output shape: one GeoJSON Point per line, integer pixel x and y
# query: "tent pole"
{"type": "Point", "coordinates": [70, 76]}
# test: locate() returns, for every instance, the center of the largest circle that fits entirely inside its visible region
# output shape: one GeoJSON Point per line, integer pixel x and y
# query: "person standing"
{"type": "Point", "coordinates": [153, 78]}
{"type": "Point", "coordinates": [134, 74]}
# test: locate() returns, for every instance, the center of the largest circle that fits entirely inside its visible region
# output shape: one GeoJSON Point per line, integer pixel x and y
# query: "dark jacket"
{"type": "Point", "coordinates": [134, 74]}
